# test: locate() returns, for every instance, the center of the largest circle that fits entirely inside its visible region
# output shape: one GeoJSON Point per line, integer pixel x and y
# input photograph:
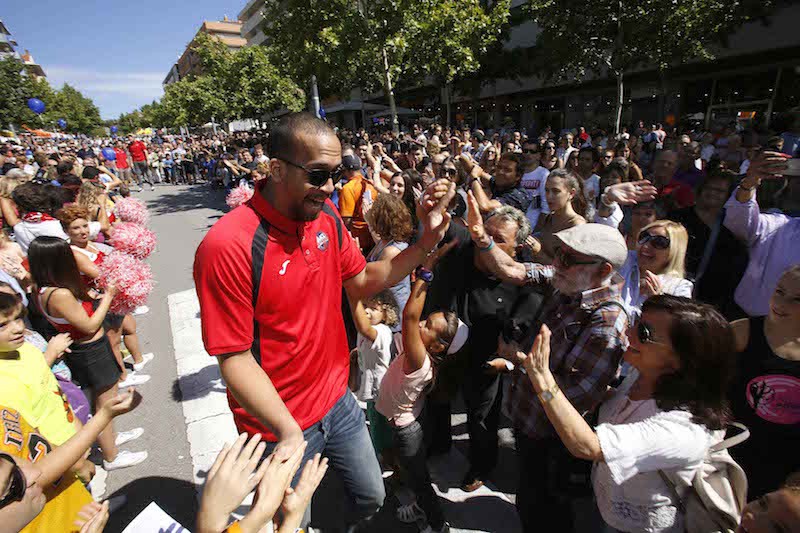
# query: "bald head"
{"type": "Point", "coordinates": [292, 132]}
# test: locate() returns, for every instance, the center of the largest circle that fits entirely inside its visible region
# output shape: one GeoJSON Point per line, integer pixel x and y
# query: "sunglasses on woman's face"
{"type": "Point", "coordinates": [659, 242]}
{"type": "Point", "coordinates": [644, 334]}
{"type": "Point", "coordinates": [317, 177]}
{"type": "Point", "coordinates": [16, 484]}
{"type": "Point", "coordinates": [450, 172]}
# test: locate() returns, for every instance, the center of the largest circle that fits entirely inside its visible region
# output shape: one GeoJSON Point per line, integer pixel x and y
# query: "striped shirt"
{"type": "Point", "coordinates": [586, 346]}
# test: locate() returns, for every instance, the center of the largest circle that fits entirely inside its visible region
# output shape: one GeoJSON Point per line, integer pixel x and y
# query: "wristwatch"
{"type": "Point", "coordinates": [424, 274]}
{"type": "Point", "coordinates": [547, 395]}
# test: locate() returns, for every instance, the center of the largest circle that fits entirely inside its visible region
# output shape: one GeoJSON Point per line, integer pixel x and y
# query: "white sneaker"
{"type": "Point", "coordinates": [142, 309]}
{"type": "Point", "coordinates": [152, 188]}
{"type": "Point", "coordinates": [124, 437]}
{"type": "Point", "coordinates": [410, 513]}
{"type": "Point", "coordinates": [134, 380]}
{"type": "Point", "coordinates": [146, 358]}
{"type": "Point", "coordinates": [124, 460]}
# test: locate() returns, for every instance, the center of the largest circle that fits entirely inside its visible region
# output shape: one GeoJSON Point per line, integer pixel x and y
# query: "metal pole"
{"type": "Point", "coordinates": [314, 96]}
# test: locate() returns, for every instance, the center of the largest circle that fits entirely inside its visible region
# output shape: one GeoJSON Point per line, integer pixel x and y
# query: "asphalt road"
{"type": "Point", "coordinates": [180, 217]}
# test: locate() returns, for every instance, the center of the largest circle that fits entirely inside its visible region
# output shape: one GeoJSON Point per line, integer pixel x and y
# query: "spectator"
{"type": "Point", "coordinates": [771, 238]}
{"type": "Point", "coordinates": [567, 205]}
{"type": "Point", "coordinates": [674, 193]}
{"type": "Point", "coordinates": [357, 194]}
{"type": "Point", "coordinates": [36, 204]}
{"type": "Point", "coordinates": [663, 418]}
{"type": "Point", "coordinates": [588, 321]}
{"type": "Point", "coordinates": [65, 303]}
{"type": "Point", "coordinates": [505, 186]}
{"type": "Point", "coordinates": [763, 394]}
{"type": "Point", "coordinates": [622, 149]}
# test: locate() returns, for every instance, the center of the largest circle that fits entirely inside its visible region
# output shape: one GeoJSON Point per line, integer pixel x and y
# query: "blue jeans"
{"type": "Point", "coordinates": [342, 437]}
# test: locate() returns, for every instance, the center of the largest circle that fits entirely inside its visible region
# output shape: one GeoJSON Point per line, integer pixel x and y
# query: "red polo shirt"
{"type": "Point", "coordinates": [122, 158]}
{"type": "Point", "coordinates": [296, 330]}
{"type": "Point", "coordinates": [137, 149]}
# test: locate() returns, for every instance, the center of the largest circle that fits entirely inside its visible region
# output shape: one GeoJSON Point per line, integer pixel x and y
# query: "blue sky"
{"type": "Point", "coordinates": [115, 52]}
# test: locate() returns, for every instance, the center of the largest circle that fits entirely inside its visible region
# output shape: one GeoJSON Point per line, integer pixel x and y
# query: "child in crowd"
{"type": "Point", "coordinates": [374, 320]}
{"type": "Point", "coordinates": [402, 395]}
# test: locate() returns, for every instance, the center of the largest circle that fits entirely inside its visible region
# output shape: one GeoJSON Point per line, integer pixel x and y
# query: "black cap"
{"type": "Point", "coordinates": [351, 162]}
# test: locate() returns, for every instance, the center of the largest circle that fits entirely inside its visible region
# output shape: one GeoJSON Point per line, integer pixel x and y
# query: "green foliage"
{"type": "Point", "coordinates": [342, 41]}
{"type": "Point", "coordinates": [610, 36]}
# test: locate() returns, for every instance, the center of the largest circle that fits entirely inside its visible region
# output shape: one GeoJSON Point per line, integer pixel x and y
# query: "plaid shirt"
{"type": "Point", "coordinates": [585, 351]}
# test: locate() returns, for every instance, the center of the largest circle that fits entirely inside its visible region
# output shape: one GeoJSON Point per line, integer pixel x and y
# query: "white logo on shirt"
{"type": "Point", "coordinates": [282, 271]}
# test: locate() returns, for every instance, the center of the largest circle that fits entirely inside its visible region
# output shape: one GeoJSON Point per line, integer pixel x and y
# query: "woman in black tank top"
{"type": "Point", "coordinates": [765, 395]}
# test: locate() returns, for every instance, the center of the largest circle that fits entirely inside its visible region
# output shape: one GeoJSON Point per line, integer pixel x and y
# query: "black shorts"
{"type": "Point", "coordinates": [93, 364]}
{"type": "Point", "coordinates": [113, 321]}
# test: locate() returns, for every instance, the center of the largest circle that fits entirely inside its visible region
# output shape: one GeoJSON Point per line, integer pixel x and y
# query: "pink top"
{"type": "Point", "coordinates": [401, 399]}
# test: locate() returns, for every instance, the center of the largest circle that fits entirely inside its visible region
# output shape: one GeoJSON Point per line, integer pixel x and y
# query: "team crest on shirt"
{"type": "Point", "coordinates": [322, 241]}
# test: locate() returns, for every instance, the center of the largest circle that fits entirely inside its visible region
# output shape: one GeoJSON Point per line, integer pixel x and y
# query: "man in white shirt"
{"type": "Point", "coordinates": [587, 162]}
{"type": "Point", "coordinates": [534, 179]}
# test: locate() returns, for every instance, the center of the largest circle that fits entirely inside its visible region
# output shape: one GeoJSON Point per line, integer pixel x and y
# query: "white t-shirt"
{"type": "Point", "coordinates": [535, 181]}
{"type": "Point", "coordinates": [401, 399]}
{"type": "Point", "coordinates": [373, 360]}
{"type": "Point", "coordinates": [638, 440]}
{"type": "Point", "coordinates": [25, 232]}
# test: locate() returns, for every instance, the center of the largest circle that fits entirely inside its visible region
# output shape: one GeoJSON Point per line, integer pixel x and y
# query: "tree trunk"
{"type": "Point", "coordinates": [620, 102]}
{"type": "Point", "coordinates": [448, 90]}
{"type": "Point", "coordinates": [389, 90]}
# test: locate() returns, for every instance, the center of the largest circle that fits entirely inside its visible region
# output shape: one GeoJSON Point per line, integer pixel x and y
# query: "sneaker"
{"type": "Point", "coordinates": [410, 513]}
{"type": "Point", "coordinates": [152, 188]}
{"type": "Point", "coordinates": [124, 437]}
{"type": "Point", "coordinates": [142, 309]}
{"type": "Point", "coordinates": [134, 380]}
{"type": "Point", "coordinates": [146, 358]}
{"type": "Point", "coordinates": [444, 529]}
{"type": "Point", "coordinates": [124, 460]}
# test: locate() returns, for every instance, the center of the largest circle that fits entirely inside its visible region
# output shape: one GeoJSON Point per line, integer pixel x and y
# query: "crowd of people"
{"type": "Point", "coordinates": [629, 305]}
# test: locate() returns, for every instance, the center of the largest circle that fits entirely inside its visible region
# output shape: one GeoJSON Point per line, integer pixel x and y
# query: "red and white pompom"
{"type": "Point", "coordinates": [133, 239]}
{"type": "Point", "coordinates": [132, 278]}
{"type": "Point", "coordinates": [238, 196]}
{"type": "Point", "coordinates": [131, 210]}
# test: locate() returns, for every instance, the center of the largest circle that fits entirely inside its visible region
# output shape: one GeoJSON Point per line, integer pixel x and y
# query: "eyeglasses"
{"type": "Point", "coordinates": [317, 177]}
{"type": "Point", "coordinates": [569, 260]}
{"type": "Point", "coordinates": [659, 242]}
{"type": "Point", "coordinates": [644, 334]}
{"type": "Point", "coordinates": [17, 484]}
{"type": "Point", "coordinates": [450, 171]}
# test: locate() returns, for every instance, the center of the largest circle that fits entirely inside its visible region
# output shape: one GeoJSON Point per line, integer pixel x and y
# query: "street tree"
{"type": "Point", "coordinates": [379, 43]}
{"type": "Point", "coordinates": [611, 38]}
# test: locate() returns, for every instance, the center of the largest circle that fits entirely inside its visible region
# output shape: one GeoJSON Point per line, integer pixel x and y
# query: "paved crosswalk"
{"type": "Point", "coordinates": [209, 425]}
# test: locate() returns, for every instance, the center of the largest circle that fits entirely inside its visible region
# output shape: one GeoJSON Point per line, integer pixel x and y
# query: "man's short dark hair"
{"type": "Point", "coordinates": [283, 138]}
{"type": "Point", "coordinates": [512, 156]}
{"type": "Point", "coordinates": [65, 166]}
{"type": "Point", "coordinates": [595, 155]}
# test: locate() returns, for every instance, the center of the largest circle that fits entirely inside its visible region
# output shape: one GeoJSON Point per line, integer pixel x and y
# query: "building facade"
{"type": "Point", "coordinates": [251, 17]}
{"type": "Point", "coordinates": [229, 32]}
{"type": "Point", "coordinates": [8, 47]}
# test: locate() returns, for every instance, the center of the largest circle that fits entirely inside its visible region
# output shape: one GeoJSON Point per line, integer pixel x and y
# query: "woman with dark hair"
{"type": "Point", "coordinates": [622, 149]}
{"type": "Point", "coordinates": [549, 159]}
{"type": "Point", "coordinates": [766, 392]}
{"type": "Point", "coordinates": [63, 299]}
{"type": "Point", "coordinates": [36, 204]}
{"type": "Point", "coordinates": [407, 186]}
{"type": "Point", "coordinates": [567, 203]}
{"type": "Point", "coordinates": [663, 418]}
{"type": "Point", "coordinates": [389, 223]}
{"type": "Point", "coordinates": [489, 159]}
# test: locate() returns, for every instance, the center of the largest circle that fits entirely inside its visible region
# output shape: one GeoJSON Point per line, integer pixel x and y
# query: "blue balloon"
{"type": "Point", "coordinates": [113, 129]}
{"type": "Point", "coordinates": [62, 123]}
{"type": "Point", "coordinates": [109, 154]}
{"type": "Point", "coordinates": [36, 105]}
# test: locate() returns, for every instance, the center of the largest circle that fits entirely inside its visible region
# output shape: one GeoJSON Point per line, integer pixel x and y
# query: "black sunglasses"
{"type": "Point", "coordinates": [317, 176]}
{"type": "Point", "coordinates": [17, 484]}
{"type": "Point", "coordinates": [569, 260]}
{"type": "Point", "coordinates": [529, 151]}
{"type": "Point", "coordinates": [644, 333]}
{"type": "Point", "coordinates": [450, 171]}
{"type": "Point", "coordinates": [659, 242]}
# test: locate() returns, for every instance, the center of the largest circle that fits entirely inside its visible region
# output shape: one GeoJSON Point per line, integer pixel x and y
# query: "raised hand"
{"type": "Point", "coordinates": [650, 284]}
{"type": "Point", "coordinates": [273, 487]}
{"type": "Point", "coordinates": [432, 211]}
{"type": "Point", "coordinates": [631, 193]}
{"type": "Point", "coordinates": [537, 361]}
{"type": "Point", "coordinates": [296, 500]}
{"type": "Point", "coordinates": [234, 474]}
{"type": "Point", "coordinates": [475, 222]}
{"type": "Point", "coordinates": [767, 165]}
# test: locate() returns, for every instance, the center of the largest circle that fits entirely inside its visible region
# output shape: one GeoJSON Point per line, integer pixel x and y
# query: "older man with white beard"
{"type": "Point", "coordinates": [588, 323]}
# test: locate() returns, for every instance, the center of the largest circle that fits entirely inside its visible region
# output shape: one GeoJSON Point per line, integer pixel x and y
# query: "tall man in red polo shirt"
{"type": "Point", "coordinates": [138, 152]}
{"type": "Point", "coordinates": [269, 277]}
